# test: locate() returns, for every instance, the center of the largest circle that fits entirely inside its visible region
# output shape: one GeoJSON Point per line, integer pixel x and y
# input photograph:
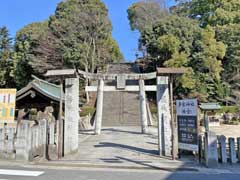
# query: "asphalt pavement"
{"type": "Point", "coordinates": [38, 173]}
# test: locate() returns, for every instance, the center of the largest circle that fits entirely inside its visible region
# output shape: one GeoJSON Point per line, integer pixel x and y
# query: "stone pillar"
{"type": "Point", "coordinates": [52, 148]}
{"type": "Point", "coordinates": [149, 114]}
{"type": "Point", "coordinates": [23, 142]}
{"type": "Point", "coordinates": [201, 148]}
{"type": "Point", "coordinates": [71, 115]}
{"type": "Point", "coordinates": [99, 111]}
{"type": "Point", "coordinates": [164, 117]}
{"type": "Point", "coordinates": [232, 151]}
{"type": "Point", "coordinates": [57, 134]}
{"type": "Point", "coordinates": [51, 132]}
{"type": "Point", "coordinates": [238, 148]}
{"type": "Point", "coordinates": [10, 145]}
{"type": "Point", "coordinates": [211, 151]}
{"type": "Point", "coordinates": [1, 140]}
{"type": "Point", "coordinates": [223, 150]}
{"type": "Point", "coordinates": [143, 107]}
{"type": "Point", "coordinates": [43, 134]}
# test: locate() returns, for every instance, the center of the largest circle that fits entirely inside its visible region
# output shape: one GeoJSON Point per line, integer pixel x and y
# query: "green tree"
{"type": "Point", "coordinates": [26, 43]}
{"type": "Point", "coordinates": [6, 63]}
{"type": "Point", "coordinates": [144, 14]}
{"type": "Point", "coordinates": [224, 17]}
{"type": "Point", "coordinates": [211, 12]}
{"type": "Point", "coordinates": [84, 28]}
{"type": "Point", "coordinates": [78, 35]}
{"type": "Point", "coordinates": [180, 42]}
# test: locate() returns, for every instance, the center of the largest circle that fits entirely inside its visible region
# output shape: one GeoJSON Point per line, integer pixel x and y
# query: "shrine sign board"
{"type": "Point", "coordinates": [121, 81]}
{"type": "Point", "coordinates": [7, 105]}
{"type": "Point", "coordinates": [187, 119]}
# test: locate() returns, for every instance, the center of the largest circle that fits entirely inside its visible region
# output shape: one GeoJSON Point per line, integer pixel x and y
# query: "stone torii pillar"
{"type": "Point", "coordinates": [143, 106]}
{"type": "Point", "coordinates": [99, 110]}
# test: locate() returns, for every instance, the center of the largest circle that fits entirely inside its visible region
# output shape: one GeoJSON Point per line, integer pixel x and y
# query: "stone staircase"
{"type": "Point", "coordinates": [121, 108]}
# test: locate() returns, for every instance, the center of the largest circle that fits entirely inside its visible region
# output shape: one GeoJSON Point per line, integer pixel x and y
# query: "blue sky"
{"type": "Point", "coordinates": [15, 14]}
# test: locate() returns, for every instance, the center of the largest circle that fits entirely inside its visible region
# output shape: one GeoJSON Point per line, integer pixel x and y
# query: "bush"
{"type": "Point", "coordinates": [87, 110]}
{"type": "Point", "coordinates": [153, 108]}
{"type": "Point", "coordinates": [229, 109]}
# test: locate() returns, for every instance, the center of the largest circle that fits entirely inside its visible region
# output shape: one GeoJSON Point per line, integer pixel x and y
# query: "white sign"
{"type": "Point", "coordinates": [189, 147]}
{"type": "Point", "coordinates": [187, 107]}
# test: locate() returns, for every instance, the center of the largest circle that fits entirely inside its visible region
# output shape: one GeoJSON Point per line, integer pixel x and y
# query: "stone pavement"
{"type": "Point", "coordinates": [122, 147]}
{"type": "Point", "coordinates": [227, 130]}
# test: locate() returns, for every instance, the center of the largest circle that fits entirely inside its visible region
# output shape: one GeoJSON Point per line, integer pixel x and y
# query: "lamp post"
{"type": "Point", "coordinates": [205, 107]}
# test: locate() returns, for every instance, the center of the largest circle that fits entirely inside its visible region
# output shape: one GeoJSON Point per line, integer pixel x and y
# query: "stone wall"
{"type": "Point", "coordinates": [30, 139]}
{"type": "Point", "coordinates": [215, 150]}
{"type": "Point", "coordinates": [7, 143]}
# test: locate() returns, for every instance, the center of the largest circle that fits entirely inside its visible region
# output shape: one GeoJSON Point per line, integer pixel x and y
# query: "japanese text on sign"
{"type": "Point", "coordinates": [187, 107]}
{"type": "Point", "coordinates": [187, 124]}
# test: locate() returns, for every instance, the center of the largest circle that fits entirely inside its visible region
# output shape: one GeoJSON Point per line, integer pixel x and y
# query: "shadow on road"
{"type": "Point", "coordinates": [119, 130]}
{"type": "Point", "coordinates": [129, 148]}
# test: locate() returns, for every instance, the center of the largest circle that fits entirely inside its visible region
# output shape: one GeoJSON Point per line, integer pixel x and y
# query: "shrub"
{"type": "Point", "coordinates": [87, 110]}
{"type": "Point", "coordinates": [229, 109]}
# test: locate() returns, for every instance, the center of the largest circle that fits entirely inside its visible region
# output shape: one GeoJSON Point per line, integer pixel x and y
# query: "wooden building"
{"type": "Point", "coordinates": [37, 95]}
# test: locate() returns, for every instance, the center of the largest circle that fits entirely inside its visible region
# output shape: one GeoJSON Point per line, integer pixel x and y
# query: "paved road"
{"type": "Point", "coordinates": [110, 174]}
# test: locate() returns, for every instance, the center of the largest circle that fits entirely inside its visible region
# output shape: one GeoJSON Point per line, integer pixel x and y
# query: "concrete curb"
{"type": "Point", "coordinates": [102, 166]}
{"type": "Point", "coordinates": [49, 164]}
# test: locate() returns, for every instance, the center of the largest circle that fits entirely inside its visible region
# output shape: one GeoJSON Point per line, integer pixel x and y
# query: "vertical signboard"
{"type": "Point", "coordinates": [7, 105]}
{"type": "Point", "coordinates": [187, 119]}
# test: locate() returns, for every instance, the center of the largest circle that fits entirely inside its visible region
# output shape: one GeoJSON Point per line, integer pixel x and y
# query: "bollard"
{"type": "Point", "coordinates": [211, 153]}
{"type": "Point", "coordinates": [238, 148]}
{"type": "Point", "coordinates": [223, 150]}
{"type": "Point", "coordinates": [232, 151]}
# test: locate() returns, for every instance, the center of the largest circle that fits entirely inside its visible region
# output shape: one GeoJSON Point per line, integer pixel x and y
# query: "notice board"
{"type": "Point", "coordinates": [187, 120]}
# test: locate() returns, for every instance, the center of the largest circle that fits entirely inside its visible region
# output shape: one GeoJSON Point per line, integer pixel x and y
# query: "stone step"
{"type": "Point", "coordinates": [121, 108]}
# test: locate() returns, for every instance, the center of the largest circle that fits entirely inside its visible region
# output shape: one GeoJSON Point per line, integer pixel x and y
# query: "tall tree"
{"type": "Point", "coordinates": [27, 56]}
{"type": "Point", "coordinates": [224, 17]}
{"type": "Point", "coordinates": [84, 28]}
{"type": "Point", "coordinates": [6, 63]}
{"type": "Point", "coordinates": [145, 13]}
{"type": "Point", "coordinates": [180, 42]}
{"type": "Point", "coordinates": [78, 35]}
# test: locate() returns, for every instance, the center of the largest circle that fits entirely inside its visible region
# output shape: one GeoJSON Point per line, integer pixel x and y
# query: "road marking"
{"type": "Point", "coordinates": [20, 172]}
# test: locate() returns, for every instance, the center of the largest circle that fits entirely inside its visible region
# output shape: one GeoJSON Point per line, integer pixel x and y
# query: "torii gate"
{"type": "Point", "coordinates": [121, 86]}
{"type": "Point", "coordinates": [167, 139]}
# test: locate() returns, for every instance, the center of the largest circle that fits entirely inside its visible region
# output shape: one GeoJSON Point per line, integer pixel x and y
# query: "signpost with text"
{"type": "Point", "coordinates": [187, 119]}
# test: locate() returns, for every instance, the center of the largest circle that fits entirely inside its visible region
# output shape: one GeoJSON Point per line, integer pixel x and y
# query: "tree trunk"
{"type": "Point", "coordinates": [93, 56]}
{"type": "Point", "coordinates": [86, 82]}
